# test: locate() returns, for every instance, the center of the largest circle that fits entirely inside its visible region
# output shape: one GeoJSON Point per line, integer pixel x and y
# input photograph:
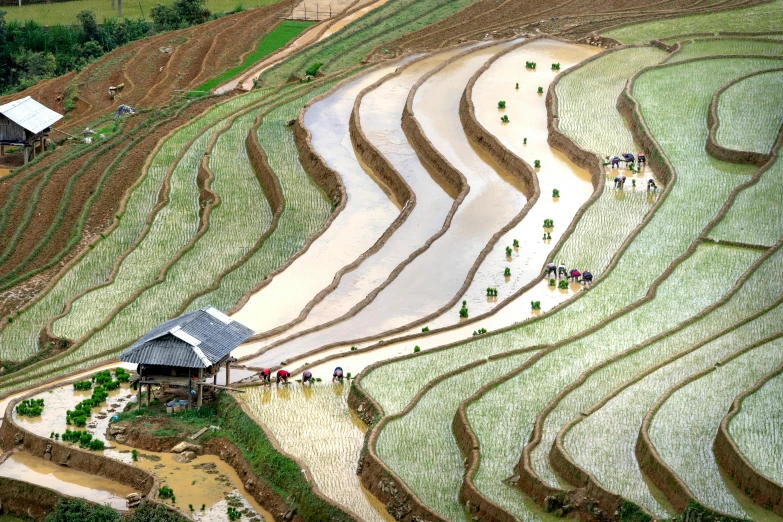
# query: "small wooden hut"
{"type": "Point", "coordinates": [186, 351]}
{"type": "Point", "coordinates": [26, 123]}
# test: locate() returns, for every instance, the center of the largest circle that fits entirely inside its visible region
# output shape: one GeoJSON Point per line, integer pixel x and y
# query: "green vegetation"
{"type": "Point", "coordinates": [549, 223]}
{"type": "Point", "coordinates": [501, 105]}
{"type": "Point", "coordinates": [463, 312]}
{"type": "Point", "coordinates": [313, 69]}
{"type": "Point", "coordinates": [78, 416]}
{"type": "Point", "coordinates": [535, 305]}
{"type": "Point", "coordinates": [492, 292]}
{"type": "Point", "coordinates": [504, 118]}
{"type": "Point", "coordinates": [707, 47]}
{"type": "Point", "coordinates": [507, 272]}
{"type": "Point", "coordinates": [277, 38]}
{"type": "Point", "coordinates": [761, 18]}
{"type": "Point", "coordinates": [68, 510]}
{"type": "Point", "coordinates": [685, 411]}
{"type": "Point", "coordinates": [555, 66]}
{"type": "Point", "coordinates": [530, 65]}
{"type": "Point", "coordinates": [563, 285]}
{"type": "Point", "coordinates": [82, 385]}
{"type": "Point", "coordinates": [508, 251]}
{"type": "Point", "coordinates": [30, 407]}
{"type": "Point", "coordinates": [555, 193]}
{"type": "Point", "coordinates": [750, 113]}
{"type": "Point", "coordinates": [756, 429]}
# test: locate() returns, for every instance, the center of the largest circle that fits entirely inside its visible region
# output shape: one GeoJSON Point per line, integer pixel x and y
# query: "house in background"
{"type": "Point", "coordinates": [26, 123]}
{"type": "Point", "coordinates": [186, 351]}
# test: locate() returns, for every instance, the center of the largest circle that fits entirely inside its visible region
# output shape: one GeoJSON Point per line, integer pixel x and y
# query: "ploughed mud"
{"type": "Point", "coordinates": [380, 119]}
{"type": "Point", "coordinates": [315, 425]}
{"type": "Point", "coordinates": [367, 213]}
{"type": "Point", "coordinates": [509, 81]}
{"type": "Point", "coordinates": [23, 466]}
{"type": "Point", "coordinates": [342, 22]}
{"type": "Point", "coordinates": [433, 278]}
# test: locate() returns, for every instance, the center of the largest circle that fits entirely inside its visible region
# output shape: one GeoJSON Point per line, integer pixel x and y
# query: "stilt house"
{"type": "Point", "coordinates": [186, 351]}
{"type": "Point", "coordinates": [26, 123]}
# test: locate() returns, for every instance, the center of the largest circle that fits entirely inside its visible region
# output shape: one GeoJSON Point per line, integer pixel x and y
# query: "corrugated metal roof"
{"type": "Point", "coordinates": [195, 340]}
{"type": "Point", "coordinates": [30, 114]}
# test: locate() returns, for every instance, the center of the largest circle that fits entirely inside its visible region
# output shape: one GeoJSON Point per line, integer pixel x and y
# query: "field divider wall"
{"type": "Point", "coordinates": [762, 489]}
{"type": "Point", "coordinates": [719, 151]}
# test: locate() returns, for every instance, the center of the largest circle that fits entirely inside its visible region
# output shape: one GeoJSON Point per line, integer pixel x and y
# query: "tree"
{"type": "Point", "coordinates": [89, 25]}
{"type": "Point", "coordinates": [192, 12]}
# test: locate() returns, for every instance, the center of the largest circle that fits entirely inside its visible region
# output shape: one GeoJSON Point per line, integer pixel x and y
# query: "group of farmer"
{"type": "Point", "coordinates": [307, 377]}
{"type": "Point", "coordinates": [629, 159]}
{"type": "Point", "coordinates": [560, 271]}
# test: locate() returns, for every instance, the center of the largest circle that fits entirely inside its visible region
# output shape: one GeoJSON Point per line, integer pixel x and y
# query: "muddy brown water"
{"type": "Point", "coordinates": [367, 214]}
{"type": "Point", "coordinates": [339, 24]}
{"type": "Point", "coordinates": [434, 277]}
{"type": "Point", "coordinates": [527, 113]}
{"type": "Point", "coordinates": [381, 113]}
{"type": "Point", "coordinates": [212, 487]}
{"type": "Point", "coordinates": [25, 467]}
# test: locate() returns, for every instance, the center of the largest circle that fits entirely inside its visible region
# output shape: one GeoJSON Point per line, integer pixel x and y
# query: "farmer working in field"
{"type": "Point", "coordinates": [265, 375]}
{"type": "Point", "coordinates": [619, 182]}
{"type": "Point", "coordinates": [337, 375]}
{"type": "Point", "coordinates": [282, 377]}
{"type": "Point", "coordinates": [562, 271]}
{"type": "Point", "coordinates": [587, 278]}
{"type": "Point", "coordinates": [551, 268]}
{"type": "Point", "coordinates": [307, 376]}
{"type": "Point", "coordinates": [615, 162]}
{"type": "Point", "coordinates": [651, 186]}
{"type": "Point", "coordinates": [575, 275]}
{"type": "Point", "coordinates": [629, 159]}
{"type": "Point", "coordinates": [640, 158]}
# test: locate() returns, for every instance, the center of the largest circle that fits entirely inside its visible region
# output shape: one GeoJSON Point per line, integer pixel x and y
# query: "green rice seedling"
{"type": "Point", "coordinates": [552, 282]}
{"type": "Point", "coordinates": [504, 118]}
{"type": "Point", "coordinates": [524, 141]}
{"type": "Point", "coordinates": [563, 285]}
{"type": "Point", "coordinates": [425, 329]}
{"type": "Point", "coordinates": [134, 455]}
{"type": "Point", "coordinates": [508, 251]}
{"type": "Point", "coordinates": [30, 407]}
{"type": "Point", "coordinates": [555, 193]}
{"type": "Point", "coordinates": [535, 305]}
{"type": "Point", "coordinates": [548, 236]}
{"type": "Point", "coordinates": [549, 223]}
{"type": "Point", "coordinates": [570, 360]}
{"type": "Point", "coordinates": [555, 66]}
{"type": "Point", "coordinates": [600, 447]}
{"type": "Point", "coordinates": [540, 90]}
{"type": "Point", "coordinates": [516, 243]}
{"type": "Point", "coordinates": [313, 69]}
{"type": "Point", "coordinates": [165, 492]}
{"type": "Point", "coordinates": [416, 349]}
{"type": "Point", "coordinates": [93, 266]}
{"type": "Point", "coordinates": [501, 105]}
{"type": "Point", "coordinates": [537, 164]}
{"type": "Point", "coordinates": [430, 421]}
{"type": "Point", "coordinates": [306, 210]}
{"type": "Point", "coordinates": [756, 429]}
{"type": "Point", "coordinates": [314, 446]}
{"type": "Point", "coordinates": [82, 385]}
{"type": "Point", "coordinates": [507, 272]}
{"type": "Point", "coordinates": [517, 87]}
{"type": "Point", "coordinates": [761, 18]}
{"type": "Point", "coordinates": [530, 65]}
{"type": "Point", "coordinates": [686, 411]}
{"type": "Point", "coordinates": [463, 312]}
{"type": "Point", "coordinates": [753, 130]}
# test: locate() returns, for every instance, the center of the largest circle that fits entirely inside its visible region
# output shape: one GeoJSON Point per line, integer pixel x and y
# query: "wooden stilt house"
{"type": "Point", "coordinates": [26, 123]}
{"type": "Point", "coordinates": [186, 351]}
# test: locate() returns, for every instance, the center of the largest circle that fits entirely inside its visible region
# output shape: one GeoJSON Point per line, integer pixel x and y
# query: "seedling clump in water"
{"type": "Point", "coordinates": [508, 251]}
{"type": "Point", "coordinates": [480, 331]}
{"type": "Point", "coordinates": [552, 282]}
{"type": "Point", "coordinates": [463, 312]}
{"type": "Point", "coordinates": [507, 272]}
{"type": "Point", "coordinates": [501, 105]}
{"type": "Point", "coordinates": [530, 65]}
{"type": "Point", "coordinates": [516, 243]}
{"type": "Point", "coordinates": [555, 193]}
{"type": "Point", "coordinates": [537, 164]}
{"type": "Point", "coordinates": [492, 292]}
{"type": "Point", "coordinates": [416, 349]}
{"type": "Point", "coordinates": [30, 407]}
{"type": "Point", "coordinates": [524, 141]}
{"type": "Point", "coordinates": [548, 223]}
{"type": "Point", "coordinates": [555, 66]}
{"type": "Point", "coordinates": [504, 119]}
{"type": "Point", "coordinates": [535, 305]}
{"type": "Point", "coordinates": [540, 90]}
{"type": "Point", "coordinates": [563, 285]}
{"type": "Point", "coordinates": [425, 329]}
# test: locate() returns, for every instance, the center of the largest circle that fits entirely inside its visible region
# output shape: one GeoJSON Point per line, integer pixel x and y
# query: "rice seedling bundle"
{"type": "Point", "coordinates": [421, 441]}
{"type": "Point", "coordinates": [697, 409]}
{"type": "Point", "coordinates": [688, 285]}
{"type": "Point", "coordinates": [756, 429]}
{"type": "Point", "coordinates": [603, 443]}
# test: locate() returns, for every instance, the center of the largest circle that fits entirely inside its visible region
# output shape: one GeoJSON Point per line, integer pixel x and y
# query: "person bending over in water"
{"type": "Point", "coordinates": [307, 376]}
{"type": "Point", "coordinates": [575, 275]}
{"type": "Point", "coordinates": [337, 375]}
{"type": "Point", "coordinates": [615, 162]}
{"type": "Point", "coordinates": [551, 268]}
{"type": "Point", "coordinates": [265, 375]}
{"type": "Point", "coordinates": [640, 158]}
{"type": "Point", "coordinates": [282, 377]}
{"type": "Point", "coordinates": [562, 271]}
{"type": "Point", "coordinates": [587, 278]}
{"type": "Point", "coordinates": [651, 186]}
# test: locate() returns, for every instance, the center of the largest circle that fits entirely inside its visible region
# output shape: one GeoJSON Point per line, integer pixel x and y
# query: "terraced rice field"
{"type": "Point", "coordinates": [365, 216]}
{"type": "Point", "coordinates": [756, 429]}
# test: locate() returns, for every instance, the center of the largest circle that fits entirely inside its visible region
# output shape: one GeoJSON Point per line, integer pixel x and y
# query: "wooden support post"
{"type": "Point", "coordinates": [138, 400]}
{"type": "Point", "coordinates": [200, 387]}
{"type": "Point", "coordinates": [190, 387]}
{"type": "Point", "coordinates": [2, 149]}
{"type": "Point", "coordinates": [228, 373]}
{"type": "Point", "coordinates": [149, 394]}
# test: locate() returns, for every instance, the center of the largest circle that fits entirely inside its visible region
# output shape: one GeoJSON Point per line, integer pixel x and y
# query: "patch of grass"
{"type": "Point", "coordinates": [274, 40]}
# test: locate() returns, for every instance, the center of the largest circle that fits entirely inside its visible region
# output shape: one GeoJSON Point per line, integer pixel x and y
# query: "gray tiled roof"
{"type": "Point", "coordinates": [195, 340]}
{"type": "Point", "coordinates": [30, 114]}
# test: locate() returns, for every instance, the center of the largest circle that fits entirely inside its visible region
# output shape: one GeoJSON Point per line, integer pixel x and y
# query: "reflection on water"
{"type": "Point", "coordinates": [23, 466]}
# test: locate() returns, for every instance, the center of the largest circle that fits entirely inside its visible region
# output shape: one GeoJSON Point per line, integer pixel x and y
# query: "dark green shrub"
{"type": "Point", "coordinates": [313, 69]}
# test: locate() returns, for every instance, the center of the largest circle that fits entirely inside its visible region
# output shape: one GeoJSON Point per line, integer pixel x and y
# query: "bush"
{"type": "Point", "coordinates": [555, 193]}
{"type": "Point", "coordinates": [563, 285]}
{"type": "Point", "coordinates": [501, 105]}
{"type": "Point", "coordinates": [507, 272]}
{"type": "Point", "coordinates": [504, 118]}
{"type": "Point", "coordinates": [313, 69]}
{"type": "Point", "coordinates": [70, 509]}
